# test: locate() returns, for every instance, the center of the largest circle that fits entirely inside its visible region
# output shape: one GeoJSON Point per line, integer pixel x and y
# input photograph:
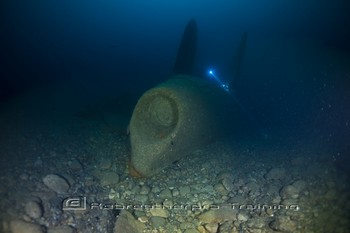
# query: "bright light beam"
{"type": "Point", "coordinates": [221, 84]}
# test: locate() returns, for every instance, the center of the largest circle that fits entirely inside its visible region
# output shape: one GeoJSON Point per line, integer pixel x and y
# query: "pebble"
{"type": "Point", "coordinates": [224, 175]}
{"type": "Point", "coordinates": [56, 183]}
{"type": "Point", "coordinates": [166, 193]}
{"type": "Point", "coordinates": [26, 218]}
{"type": "Point", "coordinates": [228, 184]}
{"type": "Point", "coordinates": [143, 219]}
{"type": "Point", "coordinates": [155, 190]}
{"type": "Point", "coordinates": [220, 188]}
{"type": "Point", "coordinates": [252, 186]}
{"type": "Point", "coordinates": [272, 189]}
{"type": "Point", "coordinates": [218, 215]}
{"type": "Point", "coordinates": [109, 178]}
{"type": "Point", "coordinates": [238, 199]}
{"type": "Point", "coordinates": [289, 201]}
{"type": "Point", "coordinates": [276, 174]}
{"type": "Point", "coordinates": [136, 189]}
{"type": "Point", "coordinates": [283, 224]}
{"type": "Point", "coordinates": [212, 227]}
{"type": "Point", "coordinates": [33, 209]}
{"type": "Point", "coordinates": [242, 217]}
{"type": "Point", "coordinates": [105, 164]}
{"type": "Point", "coordinates": [256, 223]}
{"type": "Point", "coordinates": [126, 223]}
{"type": "Point", "coordinates": [209, 189]}
{"type": "Point", "coordinates": [145, 190]}
{"type": "Point", "coordinates": [184, 190]}
{"type": "Point", "coordinates": [185, 225]}
{"type": "Point", "coordinates": [168, 203]}
{"type": "Point", "coordinates": [19, 226]}
{"type": "Point", "coordinates": [75, 165]}
{"type": "Point", "coordinates": [201, 229]}
{"type": "Point", "coordinates": [141, 198]}
{"type": "Point", "coordinates": [157, 221]}
{"type": "Point", "coordinates": [175, 192]}
{"type": "Point", "coordinates": [160, 213]}
{"type": "Point", "coordinates": [289, 191]}
{"type": "Point", "coordinates": [299, 185]}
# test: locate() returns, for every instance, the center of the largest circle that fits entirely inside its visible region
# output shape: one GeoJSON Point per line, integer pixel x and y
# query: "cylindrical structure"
{"type": "Point", "coordinates": [175, 118]}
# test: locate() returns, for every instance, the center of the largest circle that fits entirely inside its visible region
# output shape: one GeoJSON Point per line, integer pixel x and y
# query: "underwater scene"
{"type": "Point", "coordinates": [197, 116]}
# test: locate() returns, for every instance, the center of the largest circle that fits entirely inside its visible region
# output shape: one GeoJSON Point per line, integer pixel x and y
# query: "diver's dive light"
{"type": "Point", "coordinates": [221, 83]}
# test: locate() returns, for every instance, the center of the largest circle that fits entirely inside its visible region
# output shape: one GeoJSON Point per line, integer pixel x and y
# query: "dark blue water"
{"type": "Point", "coordinates": [294, 77]}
